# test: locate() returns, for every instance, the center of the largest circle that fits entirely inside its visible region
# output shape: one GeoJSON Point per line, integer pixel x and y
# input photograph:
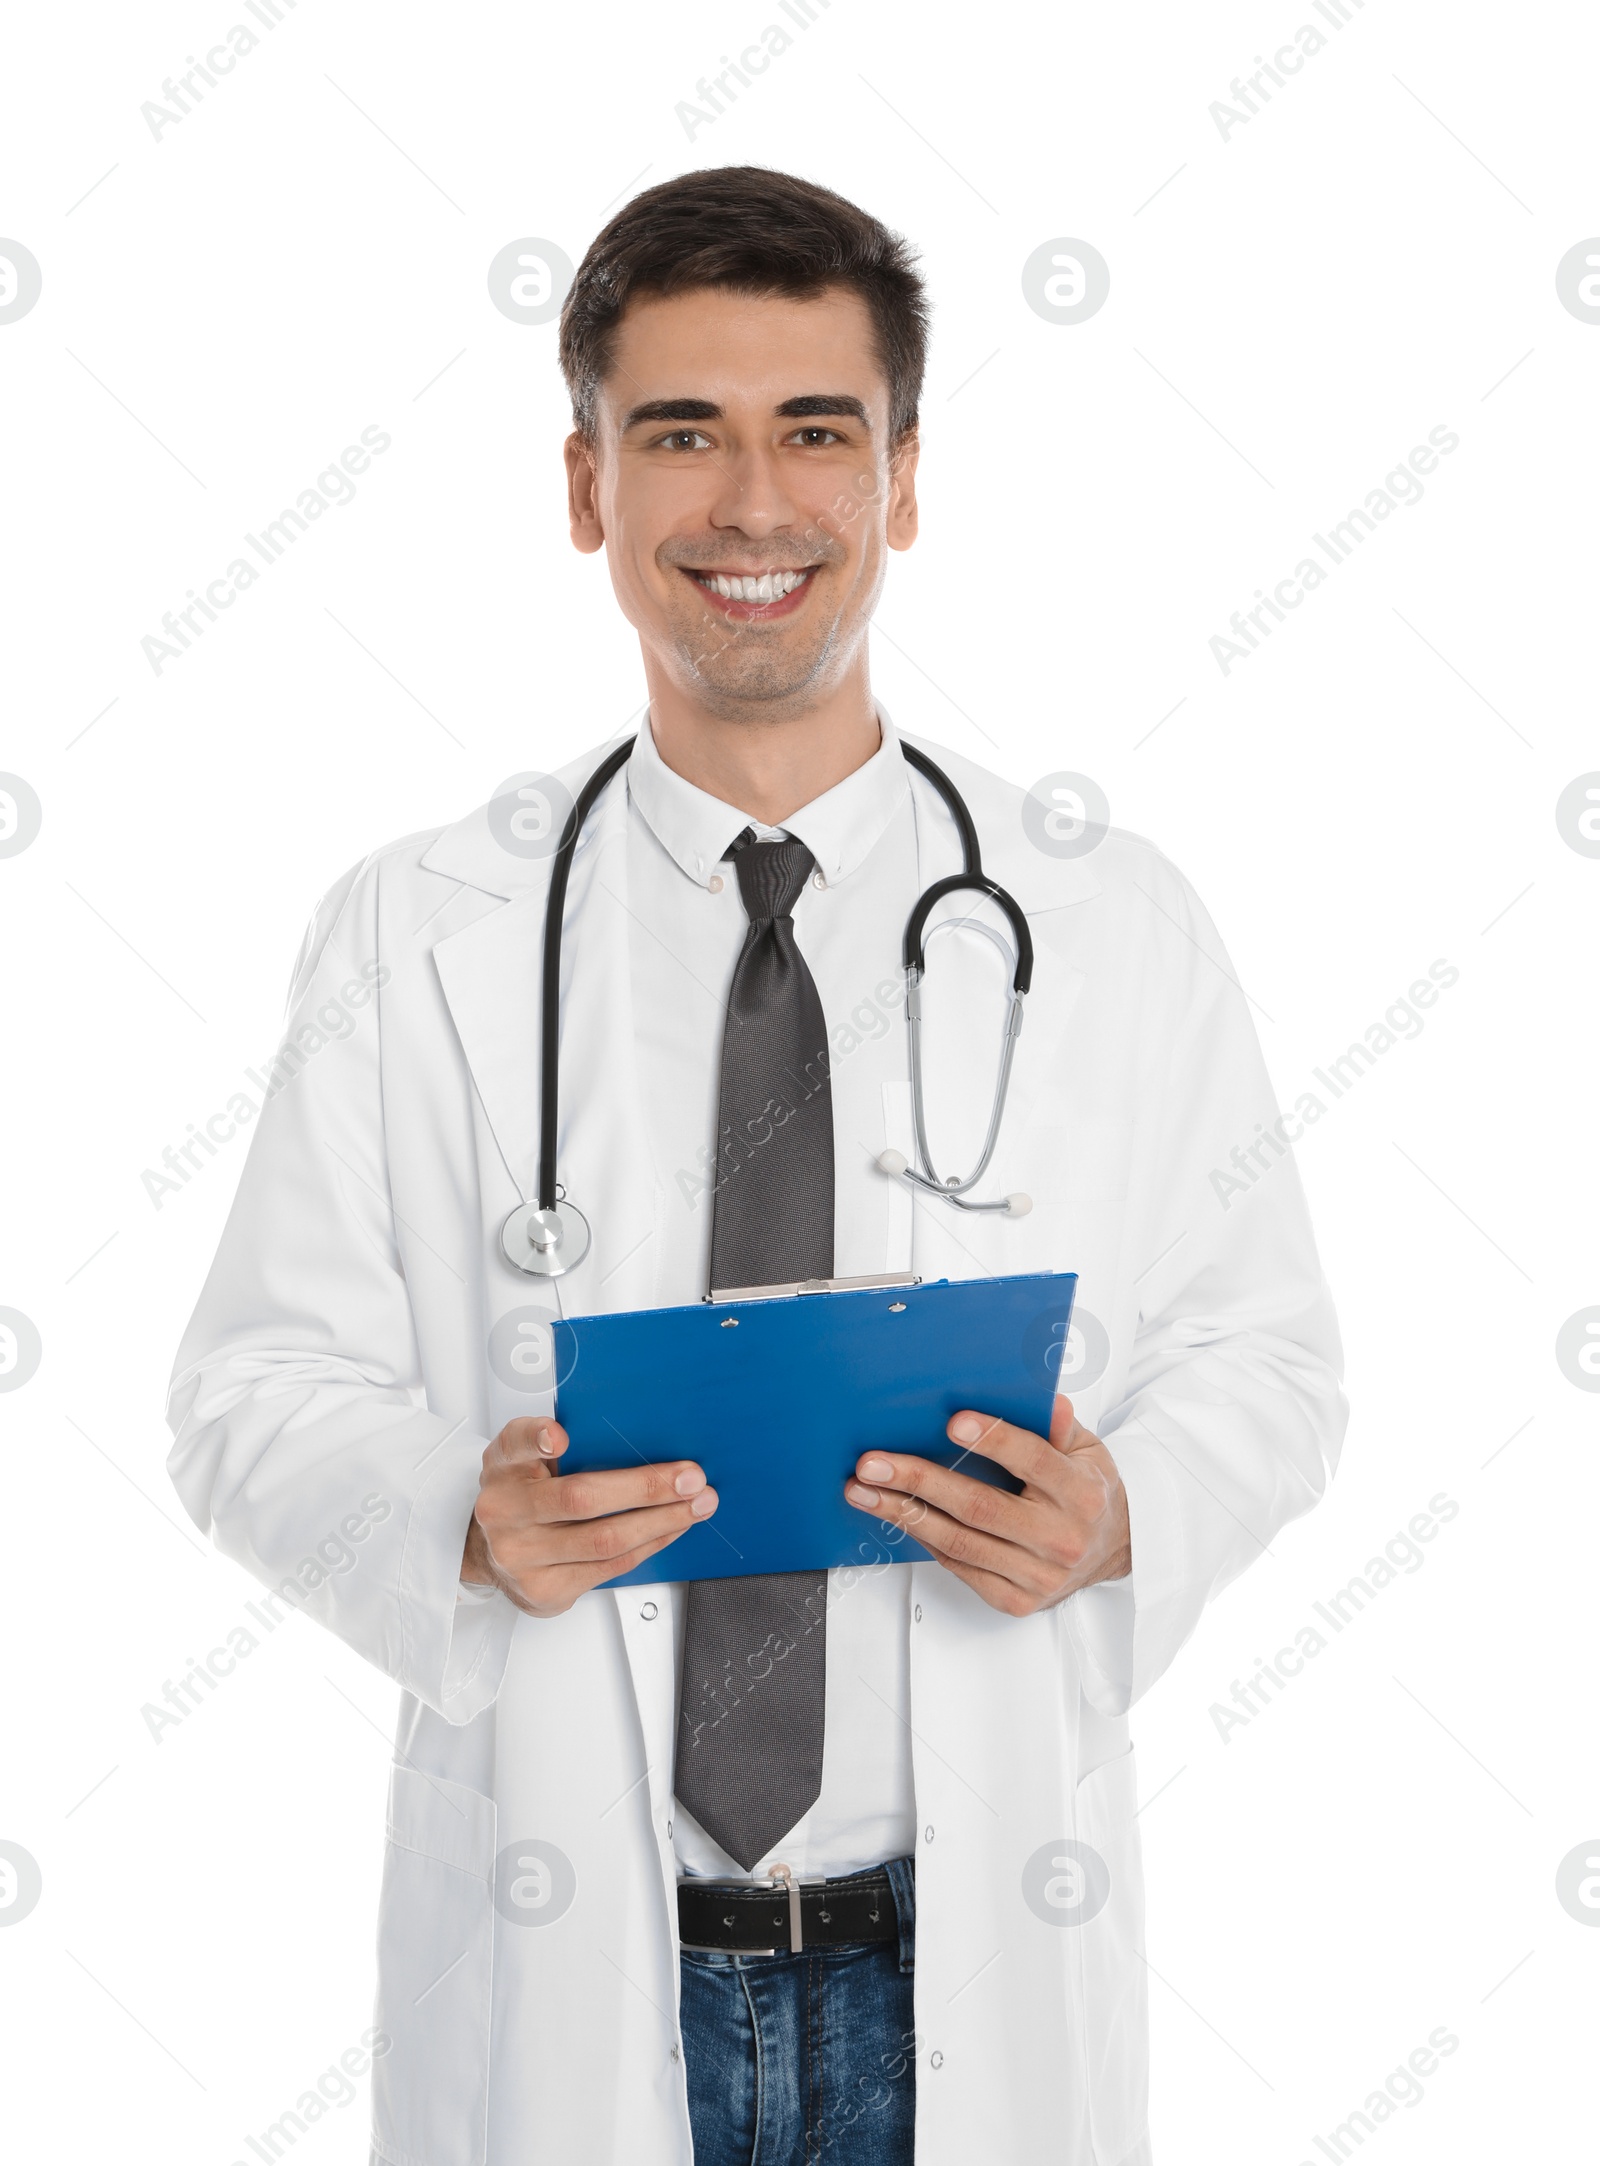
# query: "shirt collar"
{"type": "Point", "coordinates": [839, 828]}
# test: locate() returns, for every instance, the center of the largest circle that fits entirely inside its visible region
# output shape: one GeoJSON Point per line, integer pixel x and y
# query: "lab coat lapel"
{"type": "Point", "coordinates": [491, 975]}
{"type": "Point", "coordinates": [606, 1163]}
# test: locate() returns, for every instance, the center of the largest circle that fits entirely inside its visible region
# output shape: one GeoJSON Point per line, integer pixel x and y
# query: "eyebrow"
{"type": "Point", "coordinates": [807, 406]}
{"type": "Point", "coordinates": [824, 402]}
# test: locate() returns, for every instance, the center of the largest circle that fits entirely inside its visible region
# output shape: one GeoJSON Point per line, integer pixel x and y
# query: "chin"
{"type": "Point", "coordinates": [721, 674]}
{"type": "Point", "coordinates": [771, 687]}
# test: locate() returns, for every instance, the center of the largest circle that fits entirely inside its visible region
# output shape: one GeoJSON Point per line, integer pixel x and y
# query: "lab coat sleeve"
{"type": "Point", "coordinates": [304, 1441]}
{"type": "Point", "coordinates": [1231, 1417]}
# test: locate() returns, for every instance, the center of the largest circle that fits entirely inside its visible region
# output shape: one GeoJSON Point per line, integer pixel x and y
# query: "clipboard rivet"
{"type": "Point", "coordinates": [730, 1323]}
{"type": "Point", "coordinates": [897, 1308]}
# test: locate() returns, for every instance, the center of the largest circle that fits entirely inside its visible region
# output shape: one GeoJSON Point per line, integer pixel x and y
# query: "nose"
{"type": "Point", "coordinates": [754, 498]}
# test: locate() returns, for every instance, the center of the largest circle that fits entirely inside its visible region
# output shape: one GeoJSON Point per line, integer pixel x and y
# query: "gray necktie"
{"type": "Point", "coordinates": [750, 1708]}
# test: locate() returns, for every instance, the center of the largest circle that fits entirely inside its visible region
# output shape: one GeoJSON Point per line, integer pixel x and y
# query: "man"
{"type": "Point", "coordinates": [599, 1794]}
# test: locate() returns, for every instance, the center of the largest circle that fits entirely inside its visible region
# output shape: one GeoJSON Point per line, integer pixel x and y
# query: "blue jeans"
{"type": "Point", "coordinates": [804, 2060]}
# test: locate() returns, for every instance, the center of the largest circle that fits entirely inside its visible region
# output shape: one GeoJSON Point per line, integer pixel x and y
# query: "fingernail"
{"type": "Point", "coordinates": [875, 1469]}
{"type": "Point", "coordinates": [966, 1429]}
{"type": "Point", "coordinates": [859, 1493]}
{"type": "Point", "coordinates": [689, 1481]}
{"type": "Point", "coordinates": [545, 1444]}
{"type": "Point", "coordinates": [704, 1503]}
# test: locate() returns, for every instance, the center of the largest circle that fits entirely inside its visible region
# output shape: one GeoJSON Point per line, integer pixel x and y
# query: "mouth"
{"type": "Point", "coordinates": [753, 597]}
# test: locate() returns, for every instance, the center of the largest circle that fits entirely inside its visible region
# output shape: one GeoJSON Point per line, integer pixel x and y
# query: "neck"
{"type": "Point", "coordinates": [767, 767]}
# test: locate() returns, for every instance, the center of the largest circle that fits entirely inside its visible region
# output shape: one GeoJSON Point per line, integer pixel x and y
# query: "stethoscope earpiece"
{"type": "Point", "coordinates": [898, 1167]}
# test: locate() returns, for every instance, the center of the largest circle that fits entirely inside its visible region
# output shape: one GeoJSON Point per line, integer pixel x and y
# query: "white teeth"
{"type": "Point", "coordinates": [769, 587]}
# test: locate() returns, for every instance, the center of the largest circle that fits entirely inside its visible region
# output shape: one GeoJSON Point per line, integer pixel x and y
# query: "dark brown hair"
{"type": "Point", "coordinates": [750, 230]}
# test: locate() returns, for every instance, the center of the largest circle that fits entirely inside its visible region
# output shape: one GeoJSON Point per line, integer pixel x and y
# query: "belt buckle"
{"type": "Point", "coordinates": [704, 1884]}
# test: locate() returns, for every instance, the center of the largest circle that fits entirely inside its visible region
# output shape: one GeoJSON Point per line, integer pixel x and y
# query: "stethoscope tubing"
{"type": "Point", "coordinates": [971, 878]}
{"type": "Point", "coordinates": [953, 1190]}
{"type": "Point", "coordinates": [555, 911]}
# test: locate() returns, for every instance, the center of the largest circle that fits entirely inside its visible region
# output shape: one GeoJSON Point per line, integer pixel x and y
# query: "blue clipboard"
{"type": "Point", "coordinates": [777, 1397]}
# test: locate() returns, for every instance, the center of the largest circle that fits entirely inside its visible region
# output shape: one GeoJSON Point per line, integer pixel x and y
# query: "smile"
{"type": "Point", "coordinates": [761, 595]}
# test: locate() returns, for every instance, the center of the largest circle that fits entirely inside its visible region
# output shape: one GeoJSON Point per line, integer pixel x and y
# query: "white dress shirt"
{"type": "Point", "coordinates": [688, 926]}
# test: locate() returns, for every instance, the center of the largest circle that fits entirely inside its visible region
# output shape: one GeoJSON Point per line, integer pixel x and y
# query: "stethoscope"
{"type": "Point", "coordinates": [550, 1236]}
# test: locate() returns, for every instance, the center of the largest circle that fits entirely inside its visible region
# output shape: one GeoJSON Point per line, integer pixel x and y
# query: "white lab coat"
{"type": "Point", "coordinates": [338, 1354]}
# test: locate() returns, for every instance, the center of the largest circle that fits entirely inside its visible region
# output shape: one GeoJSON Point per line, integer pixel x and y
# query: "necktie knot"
{"type": "Point", "coordinates": [771, 875]}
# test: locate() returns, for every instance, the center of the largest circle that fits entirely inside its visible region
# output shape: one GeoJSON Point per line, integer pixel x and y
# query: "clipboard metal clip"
{"type": "Point", "coordinates": [811, 1286]}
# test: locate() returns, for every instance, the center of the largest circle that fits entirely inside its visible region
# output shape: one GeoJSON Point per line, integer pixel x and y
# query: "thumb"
{"type": "Point", "coordinates": [531, 1442]}
{"type": "Point", "coordinates": [1064, 1427]}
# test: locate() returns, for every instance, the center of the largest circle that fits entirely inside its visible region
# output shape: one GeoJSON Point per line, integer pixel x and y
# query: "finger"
{"type": "Point", "coordinates": [601, 1491]}
{"type": "Point", "coordinates": [1022, 1452]}
{"type": "Point", "coordinates": [579, 1541]}
{"type": "Point", "coordinates": [963, 1496]}
{"type": "Point", "coordinates": [955, 1540]}
{"type": "Point", "coordinates": [557, 1587]}
{"type": "Point", "coordinates": [531, 1440]}
{"type": "Point", "coordinates": [516, 1502]}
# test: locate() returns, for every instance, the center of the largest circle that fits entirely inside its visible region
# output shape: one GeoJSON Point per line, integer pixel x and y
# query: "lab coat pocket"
{"type": "Point", "coordinates": [430, 2094]}
{"type": "Point", "coordinates": [1112, 1953]}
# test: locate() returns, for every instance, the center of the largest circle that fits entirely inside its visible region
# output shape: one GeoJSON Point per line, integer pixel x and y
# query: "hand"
{"type": "Point", "coordinates": [544, 1538]}
{"type": "Point", "coordinates": [1068, 1529]}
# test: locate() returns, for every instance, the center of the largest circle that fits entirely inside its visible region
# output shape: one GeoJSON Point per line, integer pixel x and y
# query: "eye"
{"type": "Point", "coordinates": [813, 436]}
{"type": "Point", "coordinates": [685, 440]}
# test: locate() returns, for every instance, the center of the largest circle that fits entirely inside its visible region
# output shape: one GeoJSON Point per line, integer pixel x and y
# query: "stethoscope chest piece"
{"type": "Point", "coordinates": [546, 1243]}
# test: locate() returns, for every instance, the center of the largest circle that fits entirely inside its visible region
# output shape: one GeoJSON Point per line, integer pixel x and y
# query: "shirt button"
{"type": "Point", "coordinates": [715, 883]}
{"type": "Point", "coordinates": [917, 1613]}
{"type": "Point", "coordinates": [936, 2060]}
{"type": "Point", "coordinates": [927, 1833]}
{"type": "Point", "coordinates": [817, 880]}
{"type": "Point", "coordinates": [648, 1611]}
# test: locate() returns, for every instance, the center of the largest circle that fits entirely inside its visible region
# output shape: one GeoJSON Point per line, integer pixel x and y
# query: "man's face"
{"type": "Point", "coordinates": [744, 438]}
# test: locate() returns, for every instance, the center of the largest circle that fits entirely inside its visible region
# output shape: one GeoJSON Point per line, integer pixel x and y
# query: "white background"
{"type": "Point", "coordinates": [1291, 310]}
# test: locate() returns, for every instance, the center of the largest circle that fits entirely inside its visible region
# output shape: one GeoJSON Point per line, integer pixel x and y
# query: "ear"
{"type": "Point", "coordinates": [583, 503]}
{"type": "Point", "coordinates": [900, 529]}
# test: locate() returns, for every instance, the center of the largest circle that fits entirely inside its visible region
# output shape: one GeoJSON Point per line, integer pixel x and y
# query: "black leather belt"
{"type": "Point", "coordinates": [743, 1917]}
